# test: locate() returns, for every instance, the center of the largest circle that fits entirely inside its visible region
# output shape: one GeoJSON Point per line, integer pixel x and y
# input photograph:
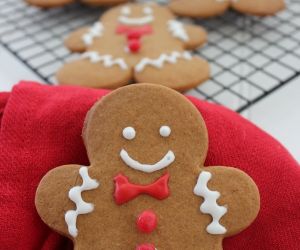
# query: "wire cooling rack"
{"type": "Point", "coordinates": [250, 57]}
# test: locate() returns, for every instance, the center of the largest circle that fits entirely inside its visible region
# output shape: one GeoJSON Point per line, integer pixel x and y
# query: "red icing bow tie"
{"type": "Point", "coordinates": [126, 191]}
{"type": "Point", "coordinates": [134, 35]}
{"type": "Point", "coordinates": [134, 32]}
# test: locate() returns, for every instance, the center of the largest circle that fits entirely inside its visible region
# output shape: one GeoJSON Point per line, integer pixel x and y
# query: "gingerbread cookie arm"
{"type": "Point", "coordinates": [191, 36]}
{"type": "Point", "coordinates": [74, 40]}
{"type": "Point", "coordinates": [197, 36]}
{"type": "Point", "coordinates": [79, 40]}
{"type": "Point", "coordinates": [230, 197]}
{"type": "Point", "coordinates": [52, 198]}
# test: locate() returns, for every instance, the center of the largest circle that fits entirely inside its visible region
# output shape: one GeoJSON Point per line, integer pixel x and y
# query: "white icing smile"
{"type": "Point", "coordinates": [135, 20]}
{"type": "Point", "coordinates": [148, 168]}
{"type": "Point", "coordinates": [125, 19]}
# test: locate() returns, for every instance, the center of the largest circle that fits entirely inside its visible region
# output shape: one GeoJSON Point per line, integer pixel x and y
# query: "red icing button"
{"type": "Point", "coordinates": [135, 34]}
{"type": "Point", "coordinates": [146, 221]}
{"type": "Point", "coordinates": [134, 45]}
{"type": "Point", "coordinates": [145, 247]}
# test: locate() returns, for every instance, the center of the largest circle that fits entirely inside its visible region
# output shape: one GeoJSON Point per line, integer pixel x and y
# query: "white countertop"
{"type": "Point", "coordinates": [279, 115]}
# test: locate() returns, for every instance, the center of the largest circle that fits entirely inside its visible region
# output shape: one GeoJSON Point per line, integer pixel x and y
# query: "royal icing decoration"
{"type": "Point", "coordinates": [134, 32]}
{"type": "Point", "coordinates": [95, 31]}
{"type": "Point", "coordinates": [107, 60]}
{"type": "Point", "coordinates": [82, 207]}
{"type": "Point", "coordinates": [177, 30]}
{"type": "Point", "coordinates": [125, 11]}
{"type": "Point", "coordinates": [129, 133]}
{"type": "Point", "coordinates": [147, 168]}
{"type": "Point", "coordinates": [125, 19]}
{"type": "Point", "coordinates": [210, 206]}
{"type": "Point", "coordinates": [162, 59]}
{"type": "Point", "coordinates": [146, 222]}
{"type": "Point", "coordinates": [147, 10]}
{"type": "Point", "coordinates": [134, 35]}
{"type": "Point", "coordinates": [126, 191]}
{"type": "Point", "coordinates": [146, 246]}
{"type": "Point", "coordinates": [165, 131]}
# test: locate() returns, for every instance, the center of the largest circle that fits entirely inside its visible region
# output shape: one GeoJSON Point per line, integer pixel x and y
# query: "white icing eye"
{"type": "Point", "coordinates": [129, 133]}
{"type": "Point", "coordinates": [147, 10]}
{"type": "Point", "coordinates": [165, 131]}
{"type": "Point", "coordinates": [125, 11]}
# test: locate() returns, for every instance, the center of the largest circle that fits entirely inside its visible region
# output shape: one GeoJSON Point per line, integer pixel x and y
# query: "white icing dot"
{"type": "Point", "coordinates": [129, 133]}
{"type": "Point", "coordinates": [147, 10]}
{"type": "Point", "coordinates": [125, 11]}
{"type": "Point", "coordinates": [165, 131]}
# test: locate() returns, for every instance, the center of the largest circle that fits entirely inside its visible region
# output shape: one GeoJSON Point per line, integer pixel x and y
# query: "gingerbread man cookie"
{"type": "Point", "coordinates": [136, 42]}
{"type": "Point", "coordinates": [57, 3]}
{"type": "Point", "coordinates": [209, 8]}
{"type": "Point", "coordinates": [147, 187]}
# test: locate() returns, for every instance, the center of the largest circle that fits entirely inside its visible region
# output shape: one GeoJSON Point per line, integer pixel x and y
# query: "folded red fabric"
{"type": "Point", "coordinates": [41, 129]}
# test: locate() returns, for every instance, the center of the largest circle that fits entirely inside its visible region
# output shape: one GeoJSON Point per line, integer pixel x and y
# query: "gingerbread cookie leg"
{"type": "Point", "coordinates": [49, 3]}
{"type": "Point", "coordinates": [190, 71]}
{"type": "Point", "coordinates": [95, 70]}
{"type": "Point", "coordinates": [258, 7]}
{"type": "Point", "coordinates": [199, 8]}
{"type": "Point", "coordinates": [230, 197]}
{"type": "Point", "coordinates": [57, 193]}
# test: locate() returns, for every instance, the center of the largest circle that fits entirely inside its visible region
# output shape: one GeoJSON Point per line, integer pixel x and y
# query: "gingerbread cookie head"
{"type": "Point", "coordinates": [147, 138]}
{"type": "Point", "coordinates": [139, 43]}
{"type": "Point", "coordinates": [138, 14]}
{"type": "Point", "coordinates": [147, 145]}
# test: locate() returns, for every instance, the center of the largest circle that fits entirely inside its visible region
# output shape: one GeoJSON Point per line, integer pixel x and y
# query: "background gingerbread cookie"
{"type": "Point", "coordinates": [146, 187]}
{"type": "Point", "coordinates": [139, 43]}
{"type": "Point", "coordinates": [57, 3]}
{"type": "Point", "coordinates": [209, 8]}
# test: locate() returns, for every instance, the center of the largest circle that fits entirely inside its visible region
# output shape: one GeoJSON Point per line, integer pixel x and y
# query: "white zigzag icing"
{"type": "Point", "coordinates": [107, 60]}
{"type": "Point", "coordinates": [177, 30]}
{"type": "Point", "coordinates": [163, 58]}
{"type": "Point", "coordinates": [82, 207]}
{"type": "Point", "coordinates": [210, 206]}
{"type": "Point", "coordinates": [95, 31]}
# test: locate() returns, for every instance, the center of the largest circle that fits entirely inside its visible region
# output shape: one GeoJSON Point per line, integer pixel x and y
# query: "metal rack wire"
{"type": "Point", "coordinates": [250, 57]}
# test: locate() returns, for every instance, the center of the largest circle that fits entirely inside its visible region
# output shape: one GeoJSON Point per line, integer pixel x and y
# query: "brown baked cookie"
{"type": "Point", "coordinates": [146, 187]}
{"type": "Point", "coordinates": [102, 2]}
{"type": "Point", "coordinates": [136, 42]}
{"type": "Point", "coordinates": [57, 3]}
{"type": "Point", "coordinates": [258, 7]}
{"type": "Point", "coordinates": [209, 8]}
{"type": "Point", "coordinates": [49, 3]}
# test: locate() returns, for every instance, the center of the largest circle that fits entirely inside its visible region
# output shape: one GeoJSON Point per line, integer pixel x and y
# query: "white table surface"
{"type": "Point", "coordinates": [278, 114]}
{"type": "Point", "coordinates": [12, 70]}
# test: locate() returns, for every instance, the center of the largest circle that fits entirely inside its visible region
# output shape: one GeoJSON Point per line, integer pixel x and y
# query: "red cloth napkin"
{"type": "Point", "coordinates": [41, 129]}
